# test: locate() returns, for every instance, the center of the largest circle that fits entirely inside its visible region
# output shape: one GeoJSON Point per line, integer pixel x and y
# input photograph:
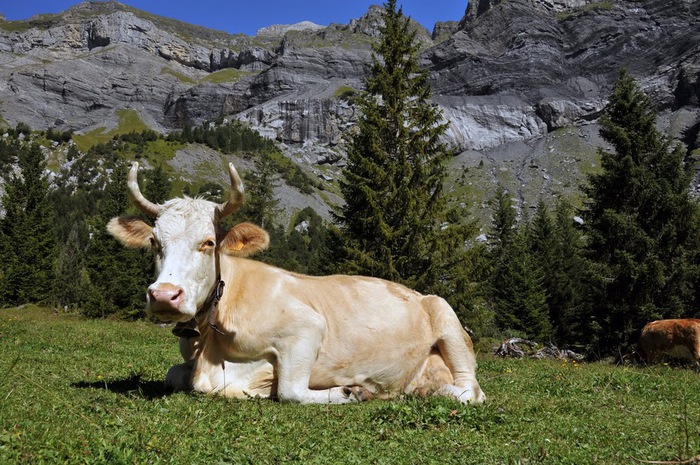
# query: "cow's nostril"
{"type": "Point", "coordinates": [177, 295]}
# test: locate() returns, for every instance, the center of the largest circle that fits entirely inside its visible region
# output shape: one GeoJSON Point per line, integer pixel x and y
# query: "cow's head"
{"type": "Point", "coordinates": [187, 243]}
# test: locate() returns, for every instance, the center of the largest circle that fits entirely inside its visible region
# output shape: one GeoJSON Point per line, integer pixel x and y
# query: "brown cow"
{"type": "Point", "coordinates": [251, 329]}
{"type": "Point", "coordinates": [679, 339]}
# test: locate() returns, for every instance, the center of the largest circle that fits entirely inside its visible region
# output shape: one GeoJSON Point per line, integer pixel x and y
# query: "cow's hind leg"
{"type": "Point", "coordinates": [456, 349]}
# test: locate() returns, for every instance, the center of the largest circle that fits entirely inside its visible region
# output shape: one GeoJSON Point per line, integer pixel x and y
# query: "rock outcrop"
{"type": "Point", "coordinates": [509, 73]}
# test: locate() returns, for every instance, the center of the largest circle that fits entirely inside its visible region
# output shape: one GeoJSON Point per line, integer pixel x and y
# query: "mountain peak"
{"type": "Point", "coordinates": [279, 30]}
{"type": "Point", "coordinates": [476, 8]}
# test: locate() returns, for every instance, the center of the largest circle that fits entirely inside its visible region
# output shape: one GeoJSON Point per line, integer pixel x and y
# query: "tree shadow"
{"type": "Point", "coordinates": [133, 386]}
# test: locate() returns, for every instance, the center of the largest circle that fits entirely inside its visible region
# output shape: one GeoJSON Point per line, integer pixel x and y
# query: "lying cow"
{"type": "Point", "coordinates": [679, 339]}
{"type": "Point", "coordinates": [250, 329]}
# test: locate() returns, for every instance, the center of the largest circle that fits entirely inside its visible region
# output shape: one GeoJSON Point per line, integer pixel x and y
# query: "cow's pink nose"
{"type": "Point", "coordinates": [165, 297]}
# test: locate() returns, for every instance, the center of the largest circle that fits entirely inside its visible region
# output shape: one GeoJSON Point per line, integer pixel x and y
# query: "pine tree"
{"type": "Point", "coordinates": [557, 248]}
{"type": "Point", "coordinates": [27, 231]}
{"type": "Point", "coordinates": [502, 233]}
{"type": "Point", "coordinates": [519, 292]}
{"type": "Point", "coordinates": [516, 288]}
{"type": "Point", "coordinates": [117, 276]}
{"type": "Point", "coordinates": [71, 283]}
{"type": "Point", "coordinates": [158, 185]}
{"type": "Point", "coordinates": [390, 224]}
{"type": "Point", "coordinates": [641, 222]}
{"type": "Point", "coordinates": [567, 295]}
{"type": "Point", "coordinates": [503, 222]}
{"type": "Point", "coordinates": [261, 204]}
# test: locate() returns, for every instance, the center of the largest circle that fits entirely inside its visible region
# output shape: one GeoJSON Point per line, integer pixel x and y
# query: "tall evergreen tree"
{"type": "Point", "coordinates": [390, 224]}
{"type": "Point", "coordinates": [158, 185]}
{"type": "Point", "coordinates": [542, 233]}
{"type": "Point", "coordinates": [27, 231]}
{"type": "Point", "coordinates": [519, 291]}
{"type": "Point", "coordinates": [503, 222]}
{"type": "Point", "coordinates": [567, 296]}
{"type": "Point", "coordinates": [557, 248]}
{"type": "Point", "coordinates": [117, 276]}
{"type": "Point", "coordinates": [517, 285]}
{"type": "Point", "coordinates": [72, 282]}
{"type": "Point", "coordinates": [261, 206]}
{"type": "Point", "coordinates": [641, 222]}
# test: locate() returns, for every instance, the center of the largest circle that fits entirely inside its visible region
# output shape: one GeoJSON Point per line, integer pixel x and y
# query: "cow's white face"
{"type": "Point", "coordinates": [184, 242]}
{"type": "Point", "coordinates": [184, 239]}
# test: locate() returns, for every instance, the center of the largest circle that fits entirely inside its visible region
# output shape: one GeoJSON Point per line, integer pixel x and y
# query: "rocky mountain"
{"type": "Point", "coordinates": [521, 82]}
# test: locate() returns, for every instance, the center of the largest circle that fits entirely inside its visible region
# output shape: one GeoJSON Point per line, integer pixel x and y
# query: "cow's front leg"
{"type": "Point", "coordinates": [295, 356]}
{"type": "Point", "coordinates": [212, 373]}
{"type": "Point", "coordinates": [179, 378]}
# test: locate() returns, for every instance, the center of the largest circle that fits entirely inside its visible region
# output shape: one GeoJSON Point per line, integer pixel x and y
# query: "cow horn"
{"type": "Point", "coordinates": [137, 197]}
{"type": "Point", "coordinates": [236, 199]}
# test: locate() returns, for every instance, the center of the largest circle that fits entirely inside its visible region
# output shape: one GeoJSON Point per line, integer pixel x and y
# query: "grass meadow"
{"type": "Point", "coordinates": [90, 391]}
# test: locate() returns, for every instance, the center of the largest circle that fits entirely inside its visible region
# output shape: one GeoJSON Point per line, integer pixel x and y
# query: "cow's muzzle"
{"type": "Point", "coordinates": [165, 299]}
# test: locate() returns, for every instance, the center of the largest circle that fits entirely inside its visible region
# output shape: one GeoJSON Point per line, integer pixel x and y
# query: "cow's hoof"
{"type": "Point", "coordinates": [422, 392]}
{"type": "Point", "coordinates": [466, 395]}
{"type": "Point", "coordinates": [357, 393]}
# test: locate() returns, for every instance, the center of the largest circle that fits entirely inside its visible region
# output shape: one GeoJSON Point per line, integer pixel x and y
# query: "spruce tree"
{"type": "Point", "coordinates": [503, 222]}
{"type": "Point", "coordinates": [641, 223]}
{"type": "Point", "coordinates": [27, 231]}
{"type": "Point", "coordinates": [516, 288]}
{"type": "Point", "coordinates": [117, 276]}
{"type": "Point", "coordinates": [390, 224]}
{"type": "Point", "coordinates": [261, 205]}
{"type": "Point", "coordinates": [557, 249]}
{"type": "Point", "coordinates": [158, 185]}
{"type": "Point", "coordinates": [567, 296]}
{"type": "Point", "coordinates": [72, 283]}
{"type": "Point", "coordinates": [519, 291]}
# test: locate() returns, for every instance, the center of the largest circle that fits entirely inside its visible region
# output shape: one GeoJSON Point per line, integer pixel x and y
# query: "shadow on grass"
{"type": "Point", "coordinates": [132, 386]}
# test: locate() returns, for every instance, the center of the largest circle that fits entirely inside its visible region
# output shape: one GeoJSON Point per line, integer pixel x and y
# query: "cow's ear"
{"type": "Point", "coordinates": [244, 239]}
{"type": "Point", "coordinates": [131, 231]}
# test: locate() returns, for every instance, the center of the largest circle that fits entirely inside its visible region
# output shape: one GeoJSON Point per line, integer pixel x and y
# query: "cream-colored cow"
{"type": "Point", "coordinates": [250, 329]}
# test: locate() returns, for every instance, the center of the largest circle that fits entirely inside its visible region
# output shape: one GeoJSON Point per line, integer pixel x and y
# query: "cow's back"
{"type": "Point", "coordinates": [675, 338]}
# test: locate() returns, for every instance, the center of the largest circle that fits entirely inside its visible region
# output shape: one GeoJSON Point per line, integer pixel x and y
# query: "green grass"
{"type": "Point", "coordinates": [591, 7]}
{"type": "Point", "coordinates": [129, 120]}
{"type": "Point", "coordinates": [44, 21]}
{"type": "Point", "coordinates": [226, 75]}
{"type": "Point", "coordinates": [179, 76]}
{"type": "Point", "coordinates": [346, 93]}
{"type": "Point", "coordinates": [89, 391]}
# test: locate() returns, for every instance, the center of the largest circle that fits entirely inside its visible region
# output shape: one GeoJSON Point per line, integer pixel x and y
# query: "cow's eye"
{"type": "Point", "coordinates": [208, 245]}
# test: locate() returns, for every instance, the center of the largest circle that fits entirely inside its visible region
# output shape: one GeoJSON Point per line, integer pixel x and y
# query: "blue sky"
{"type": "Point", "coordinates": [247, 16]}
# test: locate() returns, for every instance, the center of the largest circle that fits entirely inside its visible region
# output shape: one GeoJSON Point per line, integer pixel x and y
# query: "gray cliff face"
{"type": "Point", "coordinates": [508, 74]}
{"type": "Point", "coordinates": [563, 65]}
{"type": "Point", "coordinates": [76, 69]}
